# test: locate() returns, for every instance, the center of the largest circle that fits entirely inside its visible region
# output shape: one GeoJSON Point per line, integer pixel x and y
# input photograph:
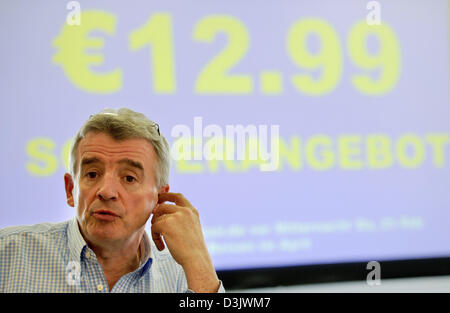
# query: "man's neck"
{"type": "Point", "coordinates": [118, 260]}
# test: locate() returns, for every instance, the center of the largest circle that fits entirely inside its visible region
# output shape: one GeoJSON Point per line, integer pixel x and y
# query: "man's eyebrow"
{"type": "Point", "coordinates": [130, 162]}
{"type": "Point", "coordinates": [133, 163]}
{"type": "Point", "coordinates": [87, 161]}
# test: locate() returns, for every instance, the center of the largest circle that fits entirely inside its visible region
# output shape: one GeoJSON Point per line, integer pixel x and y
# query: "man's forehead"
{"type": "Point", "coordinates": [103, 146]}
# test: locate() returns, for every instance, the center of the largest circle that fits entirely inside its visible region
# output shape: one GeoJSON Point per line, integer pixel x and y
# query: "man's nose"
{"type": "Point", "coordinates": [108, 188]}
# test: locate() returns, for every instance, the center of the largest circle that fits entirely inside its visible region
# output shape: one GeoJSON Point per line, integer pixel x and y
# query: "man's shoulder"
{"type": "Point", "coordinates": [36, 230]}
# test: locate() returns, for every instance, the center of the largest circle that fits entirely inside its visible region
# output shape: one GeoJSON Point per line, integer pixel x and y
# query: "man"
{"type": "Point", "coordinates": [119, 170]}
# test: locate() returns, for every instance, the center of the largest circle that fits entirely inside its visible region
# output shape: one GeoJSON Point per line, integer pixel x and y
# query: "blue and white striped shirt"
{"type": "Point", "coordinates": [53, 257]}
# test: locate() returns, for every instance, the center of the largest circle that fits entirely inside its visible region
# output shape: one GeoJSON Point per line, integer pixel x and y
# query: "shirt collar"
{"type": "Point", "coordinates": [76, 241]}
{"type": "Point", "coordinates": [146, 255]}
{"type": "Point", "coordinates": [145, 248]}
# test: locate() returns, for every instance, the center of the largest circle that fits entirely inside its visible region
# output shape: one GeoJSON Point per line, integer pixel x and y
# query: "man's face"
{"type": "Point", "coordinates": [114, 189]}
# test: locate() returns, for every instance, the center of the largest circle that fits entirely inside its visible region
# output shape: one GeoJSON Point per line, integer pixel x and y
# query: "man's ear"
{"type": "Point", "coordinates": [163, 189]}
{"type": "Point", "coordinates": [68, 184]}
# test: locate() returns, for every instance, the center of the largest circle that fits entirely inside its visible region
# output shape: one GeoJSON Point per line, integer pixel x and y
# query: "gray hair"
{"type": "Point", "coordinates": [125, 124]}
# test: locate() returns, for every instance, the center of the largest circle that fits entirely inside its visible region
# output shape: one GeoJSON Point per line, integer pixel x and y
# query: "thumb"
{"type": "Point", "coordinates": [158, 240]}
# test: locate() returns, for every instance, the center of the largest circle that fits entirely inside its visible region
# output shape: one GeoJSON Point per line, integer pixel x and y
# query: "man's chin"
{"type": "Point", "coordinates": [104, 231]}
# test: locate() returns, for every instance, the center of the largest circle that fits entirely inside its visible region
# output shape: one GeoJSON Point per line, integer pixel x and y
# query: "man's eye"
{"type": "Point", "coordinates": [130, 179]}
{"type": "Point", "coordinates": [91, 174]}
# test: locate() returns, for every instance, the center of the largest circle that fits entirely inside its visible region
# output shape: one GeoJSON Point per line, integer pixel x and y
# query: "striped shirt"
{"type": "Point", "coordinates": [53, 257]}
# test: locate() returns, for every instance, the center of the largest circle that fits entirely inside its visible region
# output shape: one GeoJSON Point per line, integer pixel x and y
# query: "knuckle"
{"type": "Point", "coordinates": [195, 211]}
{"type": "Point", "coordinates": [188, 210]}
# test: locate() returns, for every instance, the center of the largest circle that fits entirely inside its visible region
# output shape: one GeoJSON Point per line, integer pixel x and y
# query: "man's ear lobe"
{"type": "Point", "coordinates": [68, 184]}
{"type": "Point", "coordinates": [163, 189]}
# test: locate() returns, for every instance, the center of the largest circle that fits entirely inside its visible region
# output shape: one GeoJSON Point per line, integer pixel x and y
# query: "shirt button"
{"type": "Point", "coordinates": [87, 255]}
{"type": "Point", "coordinates": [100, 287]}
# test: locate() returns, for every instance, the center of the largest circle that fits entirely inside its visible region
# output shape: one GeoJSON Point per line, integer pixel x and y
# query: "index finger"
{"type": "Point", "coordinates": [177, 198]}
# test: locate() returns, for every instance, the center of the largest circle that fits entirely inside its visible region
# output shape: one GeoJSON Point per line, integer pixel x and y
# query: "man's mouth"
{"type": "Point", "coordinates": [105, 215]}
